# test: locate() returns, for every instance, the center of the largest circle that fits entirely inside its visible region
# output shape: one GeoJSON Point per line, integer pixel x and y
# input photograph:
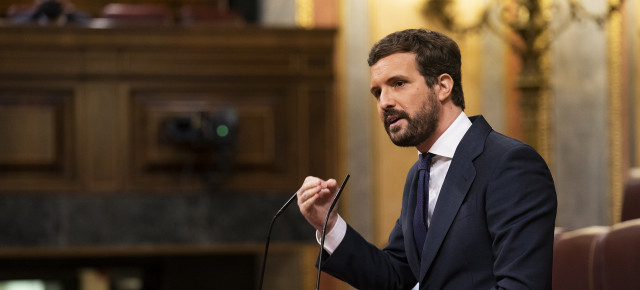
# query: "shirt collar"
{"type": "Point", "coordinates": [448, 142]}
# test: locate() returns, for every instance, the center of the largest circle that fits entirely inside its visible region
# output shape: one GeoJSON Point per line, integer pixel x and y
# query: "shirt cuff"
{"type": "Point", "coordinates": [334, 237]}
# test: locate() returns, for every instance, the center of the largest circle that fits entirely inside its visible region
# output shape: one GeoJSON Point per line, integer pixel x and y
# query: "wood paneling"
{"type": "Point", "coordinates": [268, 146]}
{"type": "Point", "coordinates": [84, 108]}
{"type": "Point", "coordinates": [37, 145]}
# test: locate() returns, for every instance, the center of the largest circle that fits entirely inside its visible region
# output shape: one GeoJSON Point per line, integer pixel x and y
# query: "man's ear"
{"type": "Point", "coordinates": [445, 85]}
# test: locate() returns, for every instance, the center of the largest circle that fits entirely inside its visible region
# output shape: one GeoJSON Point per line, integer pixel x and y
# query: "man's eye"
{"type": "Point", "coordinates": [400, 83]}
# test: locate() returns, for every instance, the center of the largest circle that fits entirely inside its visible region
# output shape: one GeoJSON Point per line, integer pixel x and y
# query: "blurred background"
{"type": "Point", "coordinates": [148, 144]}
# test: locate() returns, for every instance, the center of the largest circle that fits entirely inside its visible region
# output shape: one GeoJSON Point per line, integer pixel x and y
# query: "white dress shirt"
{"type": "Point", "coordinates": [443, 150]}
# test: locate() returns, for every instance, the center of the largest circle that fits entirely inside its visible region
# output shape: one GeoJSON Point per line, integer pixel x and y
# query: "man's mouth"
{"type": "Point", "coordinates": [391, 120]}
{"type": "Point", "coordinates": [392, 117]}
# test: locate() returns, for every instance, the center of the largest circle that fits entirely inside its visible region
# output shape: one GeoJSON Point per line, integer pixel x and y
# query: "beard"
{"type": "Point", "coordinates": [419, 127]}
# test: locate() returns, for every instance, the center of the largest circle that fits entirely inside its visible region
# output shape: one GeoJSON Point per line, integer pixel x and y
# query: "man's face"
{"type": "Point", "coordinates": [408, 108]}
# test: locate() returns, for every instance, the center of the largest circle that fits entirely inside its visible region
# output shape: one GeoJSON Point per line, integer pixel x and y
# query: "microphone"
{"type": "Point", "coordinates": [266, 247]}
{"type": "Point", "coordinates": [324, 228]}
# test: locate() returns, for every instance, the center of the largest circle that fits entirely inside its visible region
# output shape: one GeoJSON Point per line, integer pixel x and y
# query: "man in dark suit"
{"type": "Point", "coordinates": [478, 208]}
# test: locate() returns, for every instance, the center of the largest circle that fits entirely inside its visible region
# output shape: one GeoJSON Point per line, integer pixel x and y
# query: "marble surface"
{"type": "Point", "coordinates": [151, 219]}
{"type": "Point", "coordinates": [581, 124]}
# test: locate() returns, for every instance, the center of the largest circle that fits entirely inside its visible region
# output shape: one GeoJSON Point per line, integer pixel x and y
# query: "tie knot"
{"type": "Point", "coordinates": [425, 161]}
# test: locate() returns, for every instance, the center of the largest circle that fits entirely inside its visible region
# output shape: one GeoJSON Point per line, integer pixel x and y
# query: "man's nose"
{"type": "Point", "coordinates": [386, 100]}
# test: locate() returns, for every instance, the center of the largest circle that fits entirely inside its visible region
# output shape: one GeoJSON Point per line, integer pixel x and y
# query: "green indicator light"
{"type": "Point", "coordinates": [222, 131]}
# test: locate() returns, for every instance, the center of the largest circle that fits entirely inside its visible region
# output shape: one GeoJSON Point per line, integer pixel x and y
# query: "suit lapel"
{"type": "Point", "coordinates": [454, 190]}
{"type": "Point", "coordinates": [407, 229]}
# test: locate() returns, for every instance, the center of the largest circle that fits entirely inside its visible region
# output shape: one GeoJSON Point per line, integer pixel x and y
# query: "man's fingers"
{"type": "Point", "coordinates": [310, 184]}
{"type": "Point", "coordinates": [308, 203]}
{"type": "Point", "coordinates": [331, 184]}
{"type": "Point", "coordinates": [315, 186]}
{"type": "Point", "coordinates": [314, 197]}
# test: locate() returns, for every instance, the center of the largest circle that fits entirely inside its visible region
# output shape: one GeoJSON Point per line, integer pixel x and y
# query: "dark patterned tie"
{"type": "Point", "coordinates": [422, 203]}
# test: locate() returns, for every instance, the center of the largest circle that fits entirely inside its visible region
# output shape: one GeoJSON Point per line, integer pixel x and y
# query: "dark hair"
{"type": "Point", "coordinates": [49, 9]}
{"type": "Point", "coordinates": [436, 54]}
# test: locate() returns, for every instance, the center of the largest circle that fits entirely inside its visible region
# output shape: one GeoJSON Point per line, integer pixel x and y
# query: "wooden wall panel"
{"type": "Point", "coordinates": [268, 148]}
{"type": "Point", "coordinates": [102, 117]}
{"type": "Point", "coordinates": [207, 62]}
{"type": "Point", "coordinates": [323, 138]}
{"type": "Point", "coordinates": [108, 92]}
{"type": "Point", "coordinates": [50, 62]}
{"type": "Point", "coordinates": [37, 133]}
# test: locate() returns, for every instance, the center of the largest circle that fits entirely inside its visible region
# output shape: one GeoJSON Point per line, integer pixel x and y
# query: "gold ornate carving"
{"type": "Point", "coordinates": [527, 26]}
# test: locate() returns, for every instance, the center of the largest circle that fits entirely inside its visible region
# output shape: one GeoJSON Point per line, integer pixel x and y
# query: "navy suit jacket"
{"type": "Point", "coordinates": [492, 226]}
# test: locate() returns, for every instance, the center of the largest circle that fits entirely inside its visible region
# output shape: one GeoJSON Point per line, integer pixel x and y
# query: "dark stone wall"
{"type": "Point", "coordinates": [103, 220]}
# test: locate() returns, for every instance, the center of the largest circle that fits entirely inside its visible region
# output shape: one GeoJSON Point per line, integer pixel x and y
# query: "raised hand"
{"type": "Point", "coordinates": [314, 199]}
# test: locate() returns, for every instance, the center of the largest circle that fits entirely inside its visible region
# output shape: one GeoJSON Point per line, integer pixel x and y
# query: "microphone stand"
{"type": "Point", "coordinates": [324, 228]}
{"type": "Point", "coordinates": [266, 247]}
